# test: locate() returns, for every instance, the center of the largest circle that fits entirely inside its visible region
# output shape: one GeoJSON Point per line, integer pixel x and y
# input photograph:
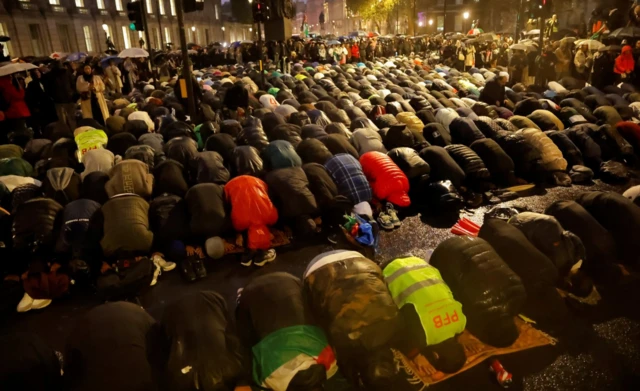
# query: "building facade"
{"type": "Point", "coordinates": [41, 27]}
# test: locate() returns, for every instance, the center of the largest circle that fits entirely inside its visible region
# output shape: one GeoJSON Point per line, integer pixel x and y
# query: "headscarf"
{"type": "Point", "coordinates": [625, 62]}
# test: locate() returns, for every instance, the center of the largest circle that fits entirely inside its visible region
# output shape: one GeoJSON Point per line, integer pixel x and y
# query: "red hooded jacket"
{"type": "Point", "coordinates": [625, 62]}
{"type": "Point", "coordinates": [387, 181]}
{"type": "Point", "coordinates": [251, 209]}
{"type": "Point", "coordinates": [15, 98]}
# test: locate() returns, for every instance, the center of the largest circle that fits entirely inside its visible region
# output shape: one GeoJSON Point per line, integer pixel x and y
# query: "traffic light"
{"type": "Point", "coordinates": [260, 11]}
{"type": "Point", "coordinates": [134, 12]}
{"type": "Point", "coordinates": [193, 5]}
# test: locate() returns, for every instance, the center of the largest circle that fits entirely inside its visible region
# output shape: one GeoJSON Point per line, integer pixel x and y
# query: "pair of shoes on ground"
{"type": "Point", "coordinates": [161, 266]}
{"type": "Point", "coordinates": [258, 258]}
{"type": "Point", "coordinates": [28, 303]}
{"type": "Point", "coordinates": [388, 218]}
{"type": "Point", "coordinates": [192, 267]}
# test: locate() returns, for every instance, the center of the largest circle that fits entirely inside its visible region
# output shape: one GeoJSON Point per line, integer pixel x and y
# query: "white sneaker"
{"type": "Point", "coordinates": [160, 261]}
{"type": "Point", "coordinates": [40, 304]}
{"type": "Point", "coordinates": [26, 303]}
{"type": "Point", "coordinates": [264, 257]}
{"type": "Point", "coordinates": [156, 273]}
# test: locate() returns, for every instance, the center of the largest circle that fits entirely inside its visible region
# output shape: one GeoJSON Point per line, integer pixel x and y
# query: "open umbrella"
{"type": "Point", "coordinates": [456, 36]}
{"type": "Point", "coordinates": [486, 37]}
{"type": "Point", "coordinates": [333, 42]}
{"type": "Point", "coordinates": [626, 32]}
{"type": "Point", "coordinates": [475, 31]}
{"type": "Point", "coordinates": [57, 55]}
{"type": "Point", "coordinates": [591, 43]}
{"type": "Point", "coordinates": [133, 53]}
{"type": "Point", "coordinates": [526, 48]}
{"type": "Point", "coordinates": [105, 61]}
{"type": "Point", "coordinates": [533, 32]}
{"type": "Point", "coordinates": [77, 56]}
{"type": "Point", "coordinates": [610, 48]}
{"type": "Point", "coordinates": [12, 68]}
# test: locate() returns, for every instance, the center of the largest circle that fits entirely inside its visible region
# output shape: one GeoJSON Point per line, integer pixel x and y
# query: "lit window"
{"type": "Point", "coordinates": [127, 38]}
{"type": "Point", "coordinates": [118, 5]}
{"type": "Point", "coordinates": [6, 46]}
{"type": "Point", "coordinates": [87, 38]}
{"type": "Point", "coordinates": [167, 35]}
{"type": "Point", "coordinates": [172, 5]}
{"type": "Point", "coordinates": [100, 4]}
{"type": "Point", "coordinates": [216, 9]}
{"type": "Point", "coordinates": [80, 3]}
{"type": "Point", "coordinates": [149, 7]}
{"type": "Point", "coordinates": [161, 7]}
{"type": "Point", "coordinates": [54, 2]}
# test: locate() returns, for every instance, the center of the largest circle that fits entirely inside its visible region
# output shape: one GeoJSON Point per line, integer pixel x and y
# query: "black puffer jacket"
{"type": "Point", "coordinates": [313, 151]}
{"type": "Point", "coordinates": [208, 210]}
{"type": "Point", "coordinates": [183, 150]}
{"type": "Point", "coordinates": [168, 219]}
{"type": "Point", "coordinates": [469, 161]}
{"type": "Point", "coordinates": [569, 150]}
{"type": "Point", "coordinates": [600, 135]}
{"type": "Point", "coordinates": [337, 143]}
{"type": "Point", "coordinates": [289, 190]}
{"type": "Point", "coordinates": [464, 131]}
{"type": "Point", "coordinates": [224, 145]}
{"type": "Point", "coordinates": [409, 162]}
{"type": "Point", "coordinates": [598, 242]}
{"type": "Point", "coordinates": [313, 131]}
{"type": "Point", "coordinates": [443, 166]}
{"type": "Point", "coordinates": [490, 292]}
{"type": "Point", "coordinates": [36, 222]}
{"type": "Point", "coordinates": [253, 136]}
{"type": "Point", "coordinates": [288, 132]}
{"type": "Point", "coordinates": [580, 107]}
{"type": "Point", "coordinates": [488, 127]}
{"type": "Point", "coordinates": [497, 161]}
{"type": "Point", "coordinates": [618, 215]}
{"type": "Point", "coordinates": [246, 160]}
{"type": "Point", "coordinates": [211, 168]}
{"type": "Point", "coordinates": [526, 158]}
{"type": "Point", "coordinates": [324, 189]}
{"type": "Point", "coordinates": [535, 269]}
{"type": "Point", "coordinates": [436, 134]}
{"type": "Point", "coordinates": [170, 178]}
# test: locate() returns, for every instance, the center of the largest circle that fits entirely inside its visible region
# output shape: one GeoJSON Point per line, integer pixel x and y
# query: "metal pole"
{"type": "Point", "coordinates": [260, 58]}
{"type": "Point", "coordinates": [541, 36]}
{"type": "Point", "coordinates": [160, 26]}
{"type": "Point", "coordinates": [414, 18]}
{"type": "Point", "coordinates": [518, 20]}
{"type": "Point", "coordinates": [186, 69]}
{"type": "Point", "coordinates": [444, 20]}
{"type": "Point", "coordinates": [146, 35]}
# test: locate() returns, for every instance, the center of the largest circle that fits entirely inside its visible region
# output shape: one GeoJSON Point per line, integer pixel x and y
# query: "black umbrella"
{"type": "Point", "coordinates": [626, 32]}
{"type": "Point", "coordinates": [612, 48]}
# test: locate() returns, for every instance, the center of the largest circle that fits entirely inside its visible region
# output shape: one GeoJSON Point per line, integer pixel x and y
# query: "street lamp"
{"type": "Point", "coordinates": [466, 15]}
{"type": "Point", "coordinates": [430, 22]}
{"type": "Point", "coordinates": [420, 24]}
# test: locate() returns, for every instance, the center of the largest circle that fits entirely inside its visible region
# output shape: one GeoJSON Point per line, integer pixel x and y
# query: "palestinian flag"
{"type": "Point", "coordinates": [284, 353]}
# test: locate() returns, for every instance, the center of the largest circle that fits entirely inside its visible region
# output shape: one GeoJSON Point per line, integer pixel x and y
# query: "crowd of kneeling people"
{"type": "Point", "coordinates": [341, 325]}
{"type": "Point", "coordinates": [99, 200]}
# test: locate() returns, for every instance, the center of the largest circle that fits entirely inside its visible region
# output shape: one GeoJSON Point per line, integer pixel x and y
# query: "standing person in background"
{"type": "Point", "coordinates": [114, 77]}
{"type": "Point", "coordinates": [131, 75]}
{"type": "Point", "coordinates": [13, 110]}
{"type": "Point", "coordinates": [563, 65]}
{"type": "Point", "coordinates": [40, 104]}
{"type": "Point", "coordinates": [625, 64]}
{"type": "Point", "coordinates": [59, 84]}
{"type": "Point", "coordinates": [470, 59]}
{"type": "Point", "coordinates": [583, 61]}
{"type": "Point", "coordinates": [603, 74]}
{"type": "Point", "coordinates": [519, 67]}
{"type": "Point", "coordinates": [355, 53]}
{"type": "Point", "coordinates": [546, 63]}
{"type": "Point", "coordinates": [503, 55]}
{"type": "Point", "coordinates": [91, 90]}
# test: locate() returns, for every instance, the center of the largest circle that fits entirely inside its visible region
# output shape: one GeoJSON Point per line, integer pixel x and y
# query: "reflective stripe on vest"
{"type": "Point", "coordinates": [413, 281]}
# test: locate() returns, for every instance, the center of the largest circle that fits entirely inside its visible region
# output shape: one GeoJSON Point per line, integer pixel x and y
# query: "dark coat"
{"type": "Point", "coordinates": [114, 335]}
{"type": "Point", "coordinates": [443, 166]}
{"type": "Point", "coordinates": [490, 292]}
{"type": "Point", "coordinates": [208, 210]}
{"type": "Point", "coordinates": [493, 92]}
{"type": "Point", "coordinates": [289, 190]}
{"type": "Point", "coordinates": [498, 163]}
{"type": "Point", "coordinates": [470, 162]}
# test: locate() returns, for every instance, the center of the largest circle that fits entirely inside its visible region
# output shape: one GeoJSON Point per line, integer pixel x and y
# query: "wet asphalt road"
{"type": "Point", "coordinates": [598, 347]}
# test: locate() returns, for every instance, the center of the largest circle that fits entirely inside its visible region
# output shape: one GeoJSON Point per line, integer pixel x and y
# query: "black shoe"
{"type": "Point", "coordinates": [186, 268]}
{"type": "Point", "coordinates": [198, 268]}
